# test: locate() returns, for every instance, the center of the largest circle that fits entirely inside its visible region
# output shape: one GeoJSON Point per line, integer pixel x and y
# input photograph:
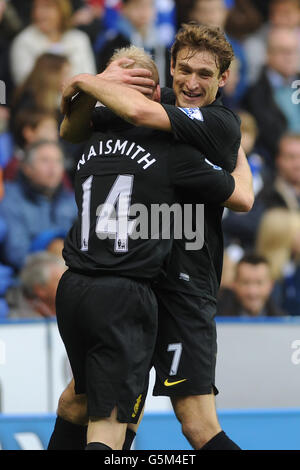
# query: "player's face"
{"type": "Point", "coordinates": [196, 78]}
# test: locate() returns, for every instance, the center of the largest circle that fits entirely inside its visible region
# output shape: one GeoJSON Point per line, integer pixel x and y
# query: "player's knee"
{"type": "Point", "coordinates": [72, 407]}
{"type": "Point", "coordinates": [199, 432]}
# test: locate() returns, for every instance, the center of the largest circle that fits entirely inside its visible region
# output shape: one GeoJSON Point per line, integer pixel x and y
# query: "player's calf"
{"type": "Point", "coordinates": [72, 407]}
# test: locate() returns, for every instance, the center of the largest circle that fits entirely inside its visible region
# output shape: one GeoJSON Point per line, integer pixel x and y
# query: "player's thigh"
{"type": "Point", "coordinates": [185, 352]}
{"type": "Point", "coordinates": [70, 295]}
{"type": "Point", "coordinates": [120, 331]}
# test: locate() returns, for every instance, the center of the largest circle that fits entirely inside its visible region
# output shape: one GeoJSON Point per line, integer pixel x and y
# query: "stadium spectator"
{"type": "Point", "coordinates": [28, 126]}
{"type": "Point", "coordinates": [281, 190]}
{"type": "Point", "coordinates": [9, 27]}
{"type": "Point", "coordinates": [42, 88]}
{"type": "Point", "coordinates": [251, 290]}
{"type": "Point", "coordinates": [6, 139]}
{"type": "Point", "coordinates": [135, 25]}
{"type": "Point", "coordinates": [281, 14]}
{"type": "Point", "coordinates": [34, 125]}
{"type": "Point", "coordinates": [31, 125]}
{"type": "Point", "coordinates": [6, 272]}
{"type": "Point", "coordinates": [278, 239]}
{"type": "Point", "coordinates": [240, 229]}
{"type": "Point", "coordinates": [262, 7]}
{"type": "Point", "coordinates": [34, 297]}
{"type": "Point", "coordinates": [270, 98]}
{"type": "Point", "coordinates": [36, 202]}
{"type": "Point", "coordinates": [230, 97]}
{"type": "Point", "coordinates": [243, 19]}
{"type": "Point", "coordinates": [88, 17]}
{"type": "Point", "coordinates": [50, 31]}
{"type": "Point", "coordinates": [285, 188]}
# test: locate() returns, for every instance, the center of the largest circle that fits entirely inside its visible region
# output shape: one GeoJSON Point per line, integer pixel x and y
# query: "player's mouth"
{"type": "Point", "coordinates": [192, 96]}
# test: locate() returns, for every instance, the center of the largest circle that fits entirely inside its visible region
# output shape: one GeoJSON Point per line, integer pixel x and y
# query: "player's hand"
{"type": "Point", "coordinates": [69, 91]}
{"type": "Point", "coordinates": [137, 78]}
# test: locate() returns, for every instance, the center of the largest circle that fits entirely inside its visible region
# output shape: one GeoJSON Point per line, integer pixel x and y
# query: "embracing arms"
{"type": "Point", "coordinates": [123, 90]}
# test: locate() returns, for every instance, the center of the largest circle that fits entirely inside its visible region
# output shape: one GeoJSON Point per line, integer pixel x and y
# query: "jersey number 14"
{"type": "Point", "coordinates": [111, 216]}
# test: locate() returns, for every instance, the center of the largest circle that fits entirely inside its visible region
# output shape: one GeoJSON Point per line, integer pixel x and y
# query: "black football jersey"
{"type": "Point", "coordinates": [124, 177]}
{"type": "Point", "coordinates": [215, 131]}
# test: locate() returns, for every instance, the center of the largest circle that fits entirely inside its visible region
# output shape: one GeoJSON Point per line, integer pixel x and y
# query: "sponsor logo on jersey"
{"type": "Point", "coordinates": [193, 113]}
{"type": "Point", "coordinates": [215, 167]}
{"type": "Point", "coordinates": [171, 384]}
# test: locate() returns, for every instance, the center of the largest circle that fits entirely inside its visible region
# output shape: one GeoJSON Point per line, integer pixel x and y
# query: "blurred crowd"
{"type": "Point", "coordinates": [43, 42]}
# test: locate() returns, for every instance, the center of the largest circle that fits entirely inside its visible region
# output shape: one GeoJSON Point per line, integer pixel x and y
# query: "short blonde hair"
{"type": "Point", "coordinates": [141, 59]}
{"type": "Point", "coordinates": [248, 123]}
{"type": "Point", "coordinates": [275, 237]}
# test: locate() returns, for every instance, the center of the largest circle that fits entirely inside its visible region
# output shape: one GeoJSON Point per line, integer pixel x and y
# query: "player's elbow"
{"type": "Point", "coordinates": [64, 132]}
{"type": "Point", "coordinates": [240, 202]}
{"type": "Point", "coordinates": [69, 135]}
{"type": "Point", "coordinates": [246, 202]}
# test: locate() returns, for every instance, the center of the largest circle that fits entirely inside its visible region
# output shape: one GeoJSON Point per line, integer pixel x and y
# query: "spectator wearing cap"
{"type": "Point", "coordinates": [36, 202]}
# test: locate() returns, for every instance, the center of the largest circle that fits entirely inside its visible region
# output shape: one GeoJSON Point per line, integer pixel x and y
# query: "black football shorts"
{"type": "Point", "coordinates": [108, 325]}
{"type": "Point", "coordinates": [186, 347]}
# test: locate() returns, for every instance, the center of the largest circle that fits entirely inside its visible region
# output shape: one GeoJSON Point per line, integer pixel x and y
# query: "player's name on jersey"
{"type": "Point", "coordinates": [119, 148]}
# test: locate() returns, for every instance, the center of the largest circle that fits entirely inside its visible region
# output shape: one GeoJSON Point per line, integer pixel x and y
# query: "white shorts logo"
{"type": "Point", "coordinates": [193, 113]}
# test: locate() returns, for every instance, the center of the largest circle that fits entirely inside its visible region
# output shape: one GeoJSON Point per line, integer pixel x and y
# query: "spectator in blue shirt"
{"type": "Point", "coordinates": [36, 202]}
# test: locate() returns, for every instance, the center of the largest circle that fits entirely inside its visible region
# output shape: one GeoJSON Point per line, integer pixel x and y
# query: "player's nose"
{"type": "Point", "coordinates": [192, 82]}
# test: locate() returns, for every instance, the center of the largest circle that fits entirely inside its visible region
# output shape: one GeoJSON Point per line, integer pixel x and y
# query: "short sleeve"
{"type": "Point", "coordinates": [214, 130]}
{"type": "Point", "coordinates": [191, 171]}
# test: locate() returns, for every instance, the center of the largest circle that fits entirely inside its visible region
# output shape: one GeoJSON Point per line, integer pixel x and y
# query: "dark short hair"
{"type": "Point", "coordinates": [197, 37]}
{"type": "Point", "coordinates": [254, 259]}
{"type": "Point", "coordinates": [274, 2]}
{"type": "Point", "coordinates": [30, 117]}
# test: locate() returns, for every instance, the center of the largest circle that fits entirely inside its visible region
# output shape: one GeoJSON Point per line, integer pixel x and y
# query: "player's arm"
{"type": "Point", "coordinates": [126, 102]}
{"type": "Point", "coordinates": [76, 126]}
{"type": "Point", "coordinates": [210, 183]}
{"type": "Point", "coordinates": [78, 106]}
{"type": "Point", "coordinates": [242, 198]}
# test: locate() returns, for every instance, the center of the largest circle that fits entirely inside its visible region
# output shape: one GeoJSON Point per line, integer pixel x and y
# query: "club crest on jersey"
{"type": "Point", "coordinates": [215, 167]}
{"type": "Point", "coordinates": [193, 113]}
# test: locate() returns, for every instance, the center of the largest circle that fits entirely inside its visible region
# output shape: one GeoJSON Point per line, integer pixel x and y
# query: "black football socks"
{"type": "Point", "coordinates": [97, 446]}
{"type": "Point", "coordinates": [67, 436]}
{"type": "Point", "coordinates": [220, 442]}
{"type": "Point", "coordinates": [129, 438]}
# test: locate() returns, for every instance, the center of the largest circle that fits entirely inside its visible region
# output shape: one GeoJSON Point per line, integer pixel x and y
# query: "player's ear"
{"type": "Point", "coordinates": [172, 67]}
{"type": "Point", "coordinates": [224, 77]}
{"type": "Point", "coordinates": [157, 94]}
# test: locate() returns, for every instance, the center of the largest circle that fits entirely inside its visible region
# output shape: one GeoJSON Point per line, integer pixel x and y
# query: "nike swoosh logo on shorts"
{"type": "Point", "coordinates": [170, 384]}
